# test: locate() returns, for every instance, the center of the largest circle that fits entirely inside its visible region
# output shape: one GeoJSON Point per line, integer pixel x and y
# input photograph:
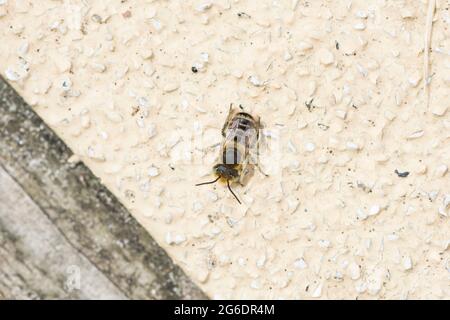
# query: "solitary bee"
{"type": "Point", "coordinates": [240, 149]}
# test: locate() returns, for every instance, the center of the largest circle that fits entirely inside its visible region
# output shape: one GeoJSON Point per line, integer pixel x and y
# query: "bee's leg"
{"type": "Point", "coordinates": [241, 179]}
{"type": "Point", "coordinates": [257, 161]}
{"type": "Point", "coordinates": [261, 171]}
{"type": "Point", "coordinates": [230, 115]}
{"type": "Point", "coordinates": [246, 173]}
{"type": "Point", "coordinates": [259, 128]}
{"type": "Point", "coordinates": [260, 137]}
{"type": "Point", "coordinates": [224, 128]}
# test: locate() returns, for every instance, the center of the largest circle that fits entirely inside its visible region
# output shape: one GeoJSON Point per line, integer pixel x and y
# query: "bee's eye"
{"type": "Point", "coordinates": [220, 169]}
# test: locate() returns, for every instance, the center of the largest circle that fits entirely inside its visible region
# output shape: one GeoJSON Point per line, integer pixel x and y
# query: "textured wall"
{"type": "Point", "coordinates": [63, 235]}
{"type": "Point", "coordinates": [356, 145]}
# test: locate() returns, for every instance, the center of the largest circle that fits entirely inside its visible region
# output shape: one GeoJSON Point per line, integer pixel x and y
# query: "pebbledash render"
{"type": "Point", "coordinates": [353, 95]}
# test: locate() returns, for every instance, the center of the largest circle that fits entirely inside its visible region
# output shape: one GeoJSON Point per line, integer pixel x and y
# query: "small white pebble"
{"type": "Point", "coordinates": [153, 171]}
{"type": "Point", "coordinates": [374, 283]}
{"type": "Point", "coordinates": [204, 7]}
{"type": "Point", "coordinates": [311, 88]}
{"type": "Point", "coordinates": [441, 170]}
{"type": "Point", "coordinates": [326, 57]}
{"type": "Point", "coordinates": [204, 56]}
{"type": "Point", "coordinates": [432, 195]}
{"type": "Point", "coordinates": [202, 275]}
{"type": "Point", "coordinates": [338, 275]}
{"type": "Point", "coordinates": [361, 214]}
{"type": "Point", "coordinates": [237, 74]}
{"type": "Point", "coordinates": [98, 67]}
{"type": "Point", "coordinates": [304, 46]}
{"type": "Point", "coordinates": [168, 238]}
{"type": "Point", "coordinates": [151, 130]}
{"type": "Point", "coordinates": [310, 147]}
{"type": "Point", "coordinates": [287, 56]}
{"type": "Point", "coordinates": [294, 165]}
{"type": "Point", "coordinates": [63, 64]}
{"type": "Point", "coordinates": [216, 230]}
{"type": "Point", "coordinates": [374, 210]}
{"type": "Point", "coordinates": [156, 24]}
{"type": "Point", "coordinates": [363, 71]}
{"type": "Point", "coordinates": [407, 263]}
{"type": "Point", "coordinates": [352, 146]}
{"type": "Point", "coordinates": [392, 237]}
{"type": "Point", "coordinates": [293, 204]}
{"type": "Point", "coordinates": [300, 264]}
{"type": "Point", "coordinates": [85, 120]}
{"type": "Point", "coordinates": [66, 84]}
{"type": "Point", "coordinates": [415, 135]}
{"type": "Point", "coordinates": [261, 261]}
{"type": "Point", "coordinates": [342, 114]}
{"type": "Point", "coordinates": [254, 80]}
{"type": "Point", "coordinates": [439, 110]}
{"type": "Point", "coordinates": [323, 159]}
{"type": "Point", "coordinates": [395, 53]}
{"type": "Point", "coordinates": [442, 211]}
{"type": "Point", "coordinates": [361, 14]}
{"type": "Point", "coordinates": [317, 292]}
{"type": "Point", "coordinates": [146, 54]}
{"type": "Point", "coordinates": [197, 207]}
{"type": "Point", "coordinates": [23, 49]}
{"type": "Point", "coordinates": [360, 287]}
{"type": "Point", "coordinates": [324, 243]}
{"type": "Point", "coordinates": [113, 116]}
{"type": "Point", "coordinates": [255, 284]}
{"type": "Point", "coordinates": [406, 13]}
{"type": "Point", "coordinates": [421, 169]}
{"type": "Point", "coordinates": [414, 79]}
{"type": "Point", "coordinates": [354, 271]}
{"type": "Point", "coordinates": [446, 200]}
{"type": "Point", "coordinates": [291, 147]}
{"type": "Point", "coordinates": [11, 75]}
{"type": "Point", "coordinates": [170, 87]}
{"type": "Point", "coordinates": [389, 115]}
{"type": "Point", "coordinates": [212, 196]}
{"type": "Point", "coordinates": [179, 239]}
{"type": "Point", "coordinates": [359, 26]}
{"type": "Point", "coordinates": [143, 102]}
{"type": "Point", "coordinates": [103, 135]}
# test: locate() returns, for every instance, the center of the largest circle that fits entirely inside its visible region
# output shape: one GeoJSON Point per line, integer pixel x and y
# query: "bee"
{"type": "Point", "coordinates": [239, 150]}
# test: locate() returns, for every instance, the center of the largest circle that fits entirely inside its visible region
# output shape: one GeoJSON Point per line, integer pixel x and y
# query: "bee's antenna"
{"type": "Point", "coordinates": [229, 188]}
{"type": "Point", "coordinates": [210, 182]}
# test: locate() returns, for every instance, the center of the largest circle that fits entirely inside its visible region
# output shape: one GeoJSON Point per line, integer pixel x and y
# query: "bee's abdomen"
{"type": "Point", "coordinates": [242, 122]}
{"type": "Point", "coordinates": [240, 137]}
{"type": "Point", "coordinates": [231, 155]}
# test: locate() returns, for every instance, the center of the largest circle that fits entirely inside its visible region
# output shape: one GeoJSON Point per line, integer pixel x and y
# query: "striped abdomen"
{"type": "Point", "coordinates": [241, 135]}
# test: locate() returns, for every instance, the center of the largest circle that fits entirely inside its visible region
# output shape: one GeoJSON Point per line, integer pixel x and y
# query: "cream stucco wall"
{"type": "Point", "coordinates": [340, 88]}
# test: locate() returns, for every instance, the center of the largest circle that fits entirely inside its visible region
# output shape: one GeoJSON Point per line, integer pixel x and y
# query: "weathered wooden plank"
{"type": "Point", "coordinates": [88, 216]}
{"type": "Point", "coordinates": [36, 261]}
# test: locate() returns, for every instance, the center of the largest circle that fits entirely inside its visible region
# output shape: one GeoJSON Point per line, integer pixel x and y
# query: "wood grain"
{"type": "Point", "coordinates": [73, 211]}
{"type": "Point", "coordinates": [36, 260]}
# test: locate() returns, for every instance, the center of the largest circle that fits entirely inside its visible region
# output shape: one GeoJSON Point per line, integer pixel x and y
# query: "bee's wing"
{"type": "Point", "coordinates": [230, 116]}
{"type": "Point", "coordinates": [247, 171]}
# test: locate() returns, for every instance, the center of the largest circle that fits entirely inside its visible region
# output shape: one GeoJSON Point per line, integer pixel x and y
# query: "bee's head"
{"type": "Point", "coordinates": [227, 172]}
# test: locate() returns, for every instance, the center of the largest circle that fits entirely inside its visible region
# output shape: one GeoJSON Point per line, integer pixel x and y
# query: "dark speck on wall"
{"type": "Point", "coordinates": [402, 174]}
